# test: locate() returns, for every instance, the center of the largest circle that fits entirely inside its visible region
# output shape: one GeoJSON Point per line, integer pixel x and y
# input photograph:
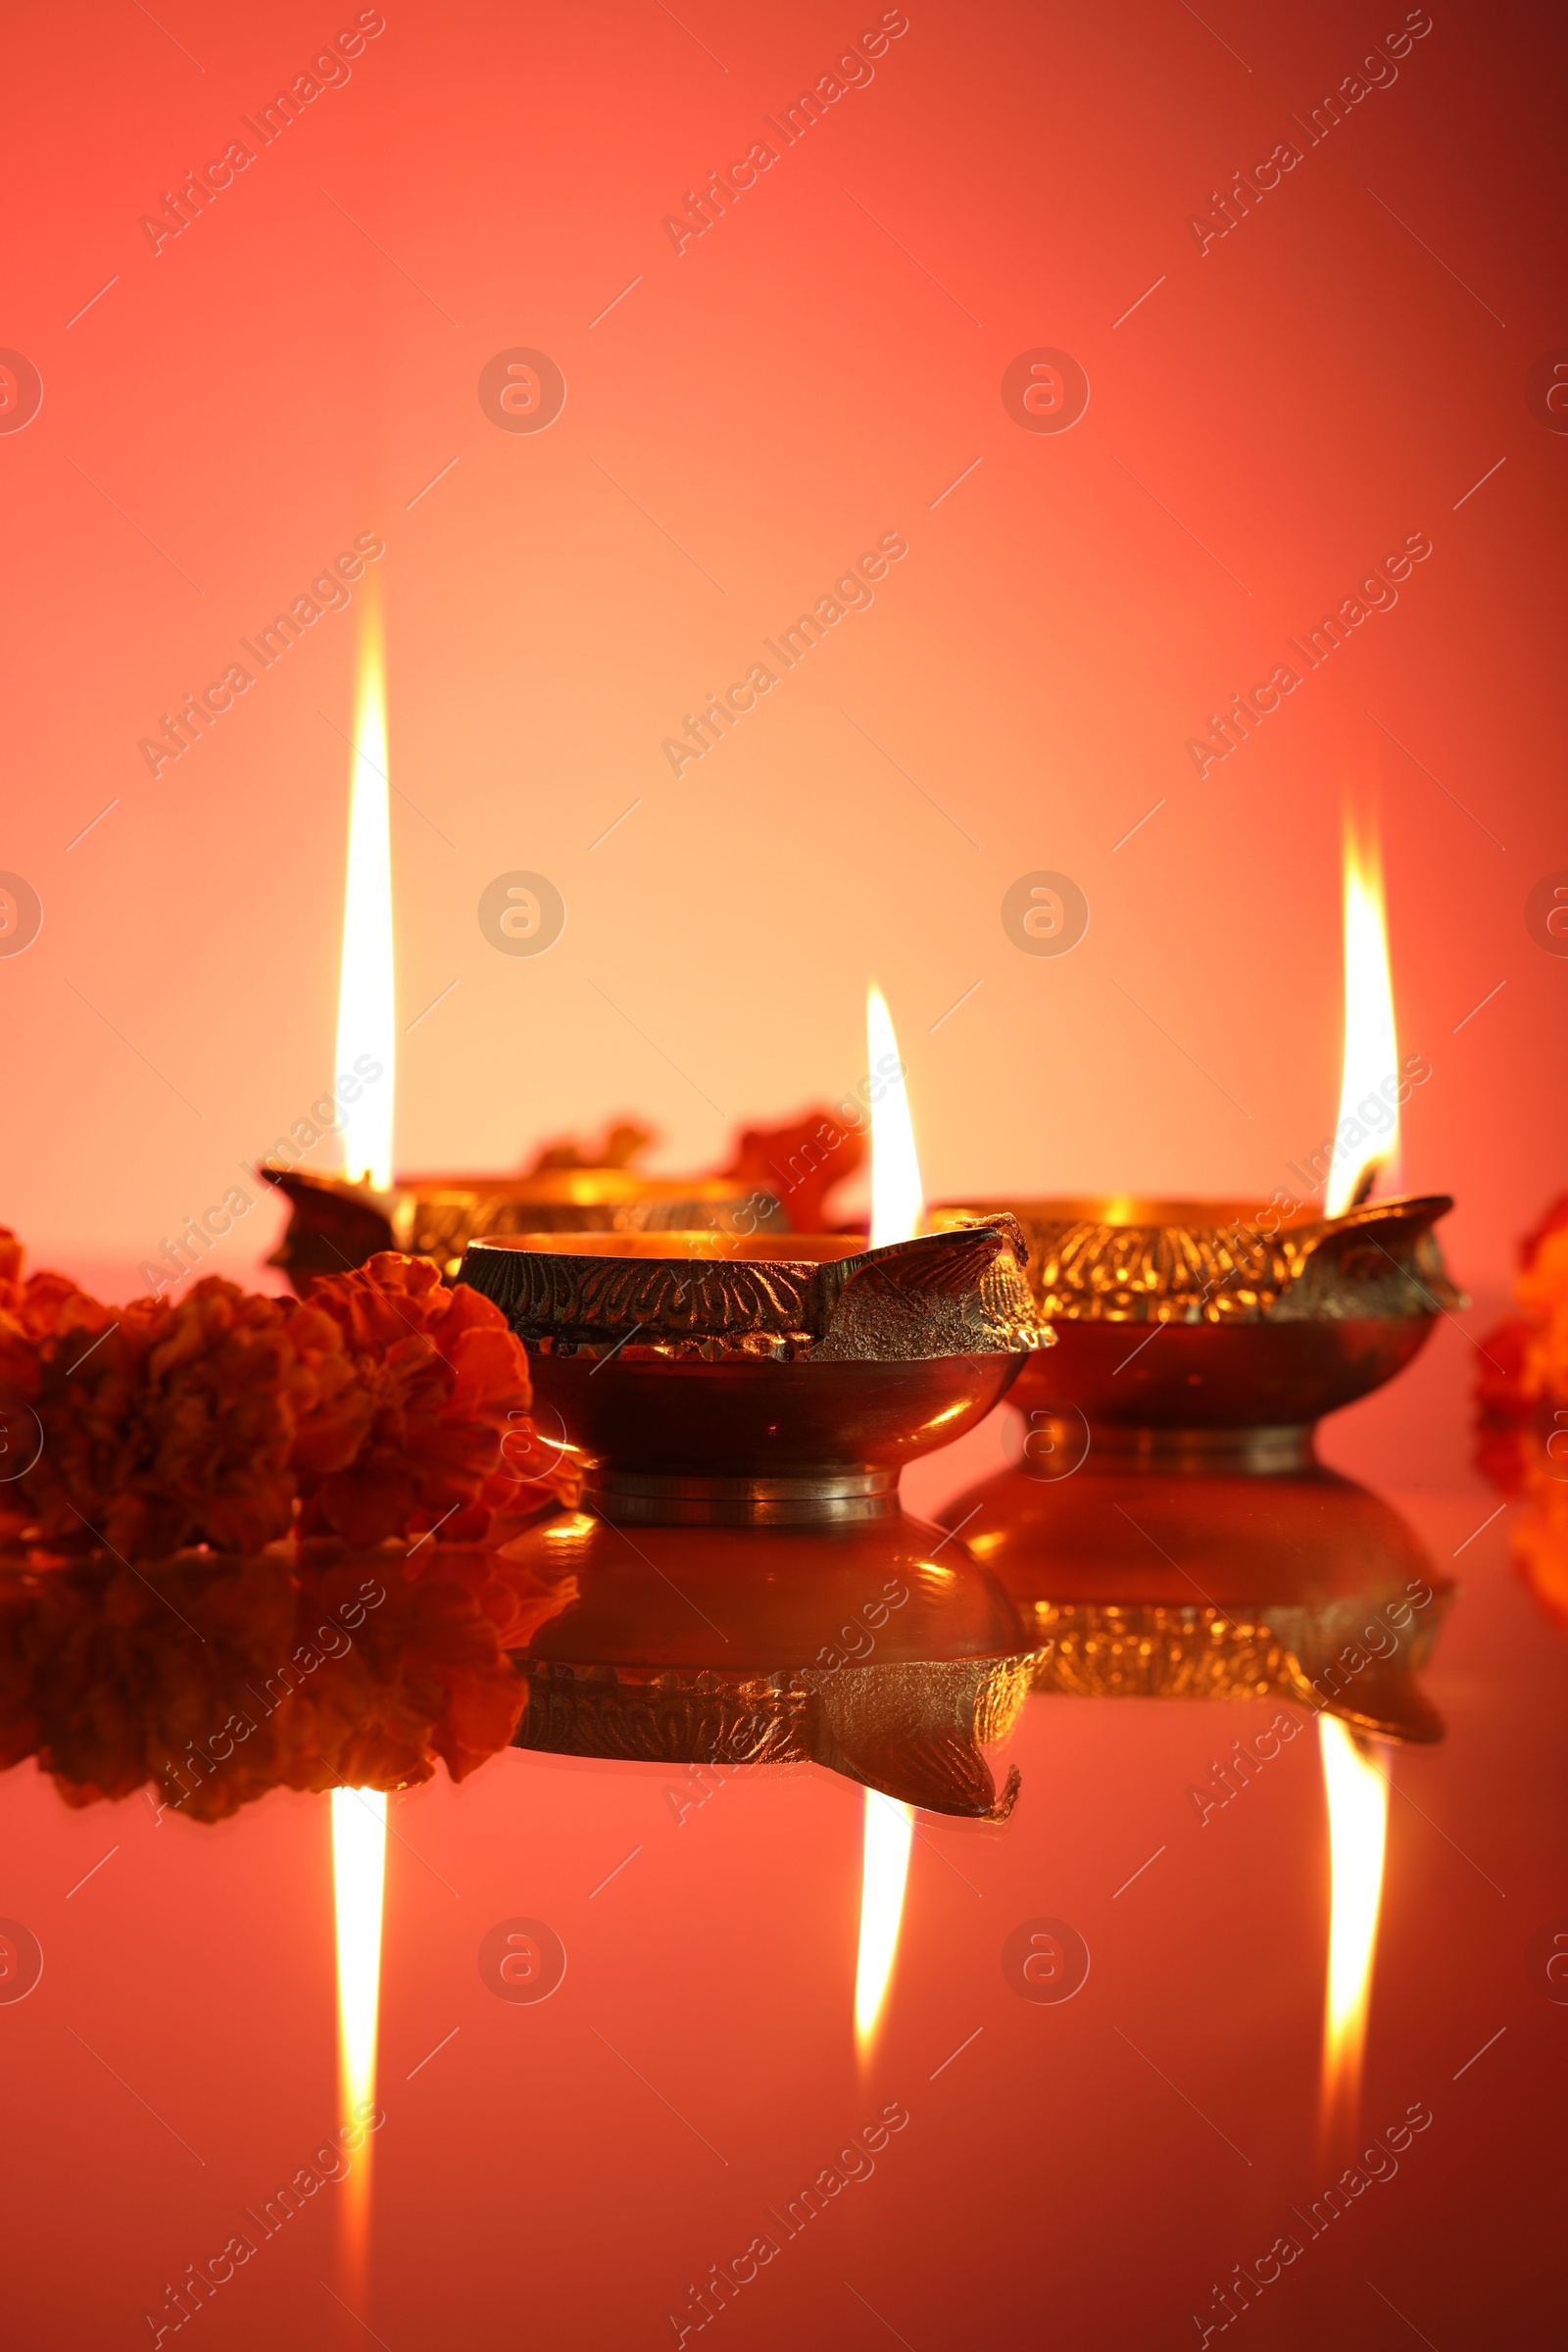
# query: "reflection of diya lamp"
{"type": "Point", "coordinates": [706, 1377]}
{"type": "Point", "coordinates": [337, 1224]}
{"type": "Point", "coordinates": [1196, 1328]}
{"type": "Point", "coordinates": [879, 1650]}
{"type": "Point", "coordinates": [1188, 1584]}
{"type": "Point", "coordinates": [1184, 1330]}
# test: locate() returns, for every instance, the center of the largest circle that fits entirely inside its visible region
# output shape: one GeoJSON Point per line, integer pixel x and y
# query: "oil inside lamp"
{"type": "Point", "coordinates": [366, 995]}
{"type": "Point", "coordinates": [897, 1209]}
{"type": "Point", "coordinates": [1358, 1794]}
{"type": "Point", "coordinates": [1371, 1054]}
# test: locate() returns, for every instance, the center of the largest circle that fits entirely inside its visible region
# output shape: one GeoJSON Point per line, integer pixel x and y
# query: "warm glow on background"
{"type": "Point", "coordinates": [1037, 686]}
{"type": "Point", "coordinates": [1358, 1794]}
{"type": "Point", "coordinates": [888, 1834]}
{"type": "Point", "coordinates": [1371, 1050]}
{"type": "Point", "coordinates": [367, 994]}
{"type": "Point", "coordinates": [897, 1202]}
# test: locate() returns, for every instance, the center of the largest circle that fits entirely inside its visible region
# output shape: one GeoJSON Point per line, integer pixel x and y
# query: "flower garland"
{"type": "Point", "coordinates": [383, 1405]}
{"type": "Point", "coordinates": [1522, 1411]}
{"type": "Point", "coordinates": [210, 1679]}
{"type": "Point", "coordinates": [1523, 1377]}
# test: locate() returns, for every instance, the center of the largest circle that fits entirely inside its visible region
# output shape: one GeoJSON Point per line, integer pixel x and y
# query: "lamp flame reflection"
{"type": "Point", "coordinates": [359, 1877]}
{"type": "Point", "coordinates": [1371, 1052]}
{"type": "Point", "coordinates": [1357, 1792]}
{"type": "Point", "coordinates": [898, 1206]}
{"type": "Point", "coordinates": [366, 1002]}
{"type": "Point", "coordinates": [884, 1874]}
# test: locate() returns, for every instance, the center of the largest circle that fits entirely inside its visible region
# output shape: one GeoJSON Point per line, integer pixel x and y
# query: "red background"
{"type": "Point", "coordinates": [1299, 397]}
{"type": "Point", "coordinates": [793, 385]}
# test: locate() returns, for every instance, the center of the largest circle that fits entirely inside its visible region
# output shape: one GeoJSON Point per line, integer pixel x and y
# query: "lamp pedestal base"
{"type": "Point", "coordinates": [831, 1498]}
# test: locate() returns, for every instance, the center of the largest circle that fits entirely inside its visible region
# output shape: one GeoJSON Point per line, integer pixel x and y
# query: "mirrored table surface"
{"type": "Point", "coordinates": [1092, 1910]}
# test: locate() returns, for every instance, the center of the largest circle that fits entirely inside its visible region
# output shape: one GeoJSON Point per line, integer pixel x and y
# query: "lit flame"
{"type": "Point", "coordinates": [358, 1877]}
{"type": "Point", "coordinates": [366, 1015]}
{"type": "Point", "coordinates": [898, 1206]}
{"type": "Point", "coordinates": [897, 1202]}
{"type": "Point", "coordinates": [888, 1834]}
{"type": "Point", "coordinates": [1371, 1052]}
{"type": "Point", "coordinates": [1357, 1794]}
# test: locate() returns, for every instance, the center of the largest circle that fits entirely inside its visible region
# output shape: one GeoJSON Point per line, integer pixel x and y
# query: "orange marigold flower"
{"type": "Point", "coordinates": [166, 1423]}
{"type": "Point", "coordinates": [1538, 1539]}
{"type": "Point", "coordinates": [1524, 1361]}
{"type": "Point", "coordinates": [392, 1404]}
{"type": "Point", "coordinates": [442, 1381]}
{"type": "Point", "coordinates": [34, 1309]}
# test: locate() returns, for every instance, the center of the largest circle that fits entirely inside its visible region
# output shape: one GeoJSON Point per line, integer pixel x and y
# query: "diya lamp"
{"type": "Point", "coordinates": [1196, 1330]}
{"type": "Point", "coordinates": [754, 1380]}
{"type": "Point", "coordinates": [745, 1403]}
{"type": "Point", "coordinates": [338, 1221]}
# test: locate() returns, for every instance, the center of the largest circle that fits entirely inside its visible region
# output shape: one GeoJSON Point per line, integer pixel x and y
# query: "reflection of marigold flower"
{"type": "Point", "coordinates": [214, 1681]}
{"type": "Point", "coordinates": [441, 1382]}
{"type": "Point", "coordinates": [427, 1677]}
{"type": "Point", "coordinates": [130, 1677]}
{"type": "Point", "coordinates": [18, 1711]}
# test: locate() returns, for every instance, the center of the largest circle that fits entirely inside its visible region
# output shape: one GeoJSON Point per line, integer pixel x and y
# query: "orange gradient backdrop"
{"type": "Point", "coordinates": [297, 366]}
